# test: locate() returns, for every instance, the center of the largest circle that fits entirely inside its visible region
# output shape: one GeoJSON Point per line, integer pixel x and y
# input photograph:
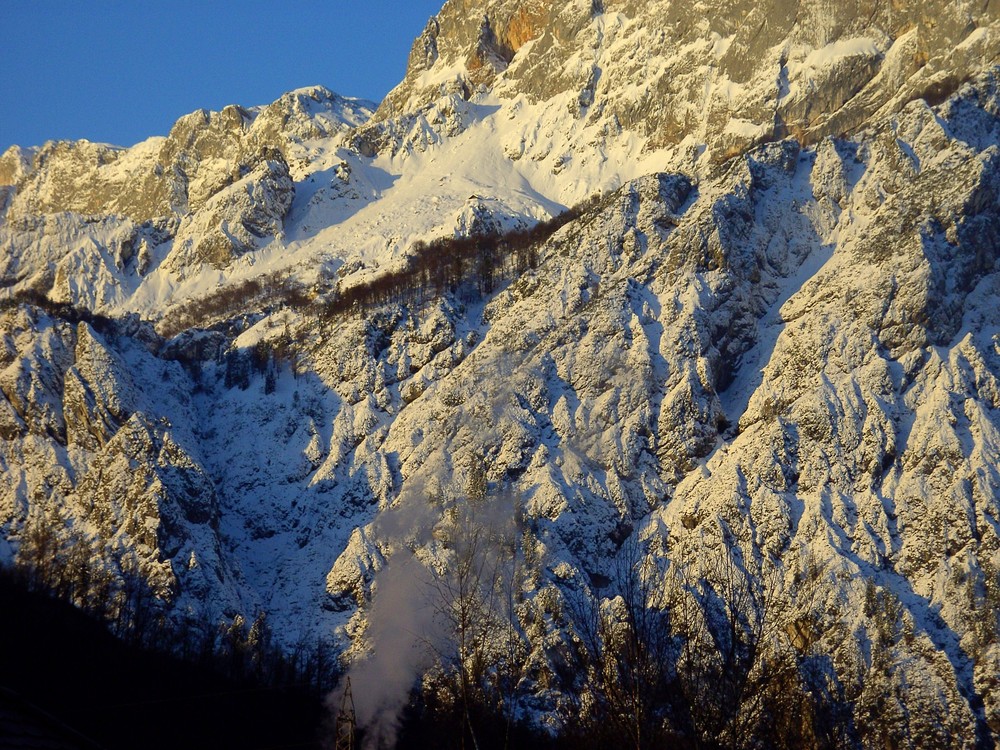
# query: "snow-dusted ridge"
{"type": "Point", "coordinates": [757, 353]}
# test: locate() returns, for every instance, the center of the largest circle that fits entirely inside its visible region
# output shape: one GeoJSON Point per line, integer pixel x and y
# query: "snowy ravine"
{"type": "Point", "coordinates": [769, 344]}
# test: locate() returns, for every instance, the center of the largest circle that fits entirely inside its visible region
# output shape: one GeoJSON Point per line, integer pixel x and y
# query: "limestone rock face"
{"type": "Point", "coordinates": [98, 393]}
{"type": "Point", "coordinates": [203, 153]}
{"type": "Point", "coordinates": [236, 217]}
{"type": "Point", "coordinates": [83, 436]}
{"type": "Point", "coordinates": [793, 361]}
{"type": "Point", "coordinates": [14, 162]}
{"type": "Point", "coordinates": [39, 350]}
{"type": "Point", "coordinates": [730, 74]}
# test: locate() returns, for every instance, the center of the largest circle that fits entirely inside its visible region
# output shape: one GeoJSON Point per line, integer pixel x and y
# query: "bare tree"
{"type": "Point", "coordinates": [629, 652]}
{"type": "Point", "coordinates": [737, 667]}
{"type": "Point", "coordinates": [41, 548]}
{"type": "Point", "coordinates": [481, 651]}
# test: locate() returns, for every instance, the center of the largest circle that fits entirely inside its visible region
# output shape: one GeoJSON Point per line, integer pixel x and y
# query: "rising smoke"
{"type": "Point", "coordinates": [444, 564]}
{"type": "Point", "coordinates": [428, 531]}
{"type": "Point", "coordinates": [400, 622]}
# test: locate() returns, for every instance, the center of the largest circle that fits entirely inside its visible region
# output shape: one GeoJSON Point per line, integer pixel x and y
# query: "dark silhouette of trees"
{"type": "Point", "coordinates": [65, 662]}
{"type": "Point", "coordinates": [736, 666]}
{"type": "Point", "coordinates": [628, 650]}
{"type": "Point", "coordinates": [57, 560]}
{"type": "Point", "coordinates": [261, 294]}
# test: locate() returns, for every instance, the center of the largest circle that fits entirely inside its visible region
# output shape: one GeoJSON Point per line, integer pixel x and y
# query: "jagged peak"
{"type": "Point", "coordinates": [728, 74]}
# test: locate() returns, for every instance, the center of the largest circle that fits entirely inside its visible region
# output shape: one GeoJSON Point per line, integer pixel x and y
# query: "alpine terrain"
{"type": "Point", "coordinates": [629, 376]}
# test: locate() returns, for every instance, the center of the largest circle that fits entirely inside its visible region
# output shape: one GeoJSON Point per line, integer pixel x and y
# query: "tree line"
{"type": "Point", "coordinates": [63, 310]}
{"type": "Point", "coordinates": [260, 294]}
{"type": "Point", "coordinates": [477, 264]}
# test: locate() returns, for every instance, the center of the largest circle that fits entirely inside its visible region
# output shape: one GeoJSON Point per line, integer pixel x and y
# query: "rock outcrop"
{"type": "Point", "coordinates": [216, 187]}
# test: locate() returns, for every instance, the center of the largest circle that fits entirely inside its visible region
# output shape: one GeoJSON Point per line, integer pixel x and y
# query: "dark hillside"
{"type": "Point", "coordinates": [66, 664]}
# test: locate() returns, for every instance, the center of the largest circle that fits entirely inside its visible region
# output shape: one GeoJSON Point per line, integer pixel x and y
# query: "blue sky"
{"type": "Point", "coordinates": [119, 72]}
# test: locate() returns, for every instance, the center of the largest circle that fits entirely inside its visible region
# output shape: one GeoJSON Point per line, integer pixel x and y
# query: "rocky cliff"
{"type": "Point", "coordinates": [727, 75]}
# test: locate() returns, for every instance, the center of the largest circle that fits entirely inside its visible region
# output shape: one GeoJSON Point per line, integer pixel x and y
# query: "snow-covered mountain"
{"type": "Point", "coordinates": [762, 357]}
